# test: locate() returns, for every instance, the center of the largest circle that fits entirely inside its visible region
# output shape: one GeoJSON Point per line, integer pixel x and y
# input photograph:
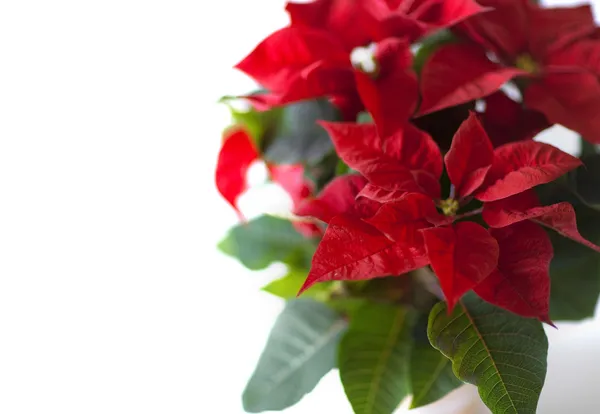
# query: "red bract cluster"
{"type": "Point", "coordinates": [388, 217]}
{"type": "Point", "coordinates": [355, 52]}
{"type": "Point", "coordinates": [553, 52]}
{"type": "Point", "coordinates": [394, 221]}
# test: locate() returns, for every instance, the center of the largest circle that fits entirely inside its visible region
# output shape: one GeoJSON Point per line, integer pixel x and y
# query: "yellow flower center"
{"type": "Point", "coordinates": [449, 206]}
{"type": "Point", "coordinates": [527, 63]}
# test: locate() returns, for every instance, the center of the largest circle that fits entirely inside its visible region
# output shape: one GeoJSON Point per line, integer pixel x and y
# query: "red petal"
{"type": "Point", "coordinates": [459, 73]}
{"type": "Point", "coordinates": [348, 103]}
{"type": "Point", "coordinates": [354, 142]}
{"type": "Point", "coordinates": [507, 121]}
{"type": "Point", "coordinates": [560, 217]}
{"type": "Point", "coordinates": [470, 156]}
{"type": "Point", "coordinates": [585, 53]}
{"type": "Point", "coordinates": [381, 195]}
{"type": "Point", "coordinates": [509, 210]}
{"type": "Point", "coordinates": [426, 184]}
{"type": "Point", "coordinates": [521, 284]}
{"type": "Point", "coordinates": [553, 28]}
{"type": "Point", "coordinates": [316, 80]}
{"type": "Point", "coordinates": [519, 26]}
{"type": "Point", "coordinates": [461, 256]}
{"type": "Point", "coordinates": [516, 26]}
{"type": "Point", "coordinates": [235, 157]}
{"type": "Point", "coordinates": [313, 14]}
{"type": "Point", "coordinates": [416, 150]}
{"type": "Point", "coordinates": [429, 183]}
{"type": "Point", "coordinates": [341, 18]}
{"type": "Point", "coordinates": [414, 19]}
{"type": "Point", "coordinates": [401, 220]}
{"type": "Point", "coordinates": [279, 60]}
{"type": "Point", "coordinates": [319, 79]}
{"type": "Point", "coordinates": [354, 250]}
{"type": "Point", "coordinates": [386, 163]}
{"type": "Point", "coordinates": [338, 197]}
{"type": "Point", "coordinates": [570, 99]}
{"type": "Point", "coordinates": [446, 13]}
{"type": "Point", "coordinates": [503, 30]}
{"type": "Point", "coordinates": [519, 166]}
{"type": "Point", "coordinates": [388, 21]}
{"type": "Point", "coordinates": [362, 150]}
{"type": "Point", "coordinates": [399, 26]}
{"type": "Point", "coordinates": [391, 96]}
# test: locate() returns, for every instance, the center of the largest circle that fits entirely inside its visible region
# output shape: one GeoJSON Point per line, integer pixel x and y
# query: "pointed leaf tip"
{"type": "Point", "coordinates": [470, 156]}
{"type": "Point", "coordinates": [560, 217]}
{"type": "Point", "coordinates": [501, 353]}
{"type": "Point", "coordinates": [354, 250]}
{"type": "Point", "coordinates": [520, 166]}
{"type": "Point", "coordinates": [461, 256]}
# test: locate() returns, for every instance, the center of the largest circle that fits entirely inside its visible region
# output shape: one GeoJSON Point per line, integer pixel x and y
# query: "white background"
{"type": "Point", "coordinates": [113, 298]}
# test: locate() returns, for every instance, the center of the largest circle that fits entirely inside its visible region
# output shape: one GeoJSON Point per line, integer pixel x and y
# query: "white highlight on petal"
{"type": "Point", "coordinates": [363, 58]}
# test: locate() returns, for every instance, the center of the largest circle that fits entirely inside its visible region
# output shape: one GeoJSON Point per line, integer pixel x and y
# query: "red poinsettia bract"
{"type": "Point", "coordinates": [235, 157]}
{"type": "Point", "coordinates": [552, 51]}
{"type": "Point", "coordinates": [357, 53]}
{"type": "Point", "coordinates": [506, 120]}
{"type": "Point", "coordinates": [413, 227]}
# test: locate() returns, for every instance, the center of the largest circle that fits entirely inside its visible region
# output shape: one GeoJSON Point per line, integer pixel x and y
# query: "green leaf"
{"type": "Point", "coordinates": [585, 181]}
{"type": "Point", "coordinates": [373, 358]}
{"type": "Point", "coordinates": [390, 289]}
{"type": "Point", "coordinates": [364, 118]}
{"type": "Point", "coordinates": [500, 352]}
{"type": "Point", "coordinates": [265, 240]}
{"type": "Point", "coordinates": [298, 138]}
{"type": "Point", "coordinates": [575, 276]}
{"type": "Point", "coordinates": [342, 168]}
{"type": "Point", "coordinates": [288, 286]}
{"type": "Point", "coordinates": [347, 305]}
{"type": "Point", "coordinates": [431, 375]}
{"type": "Point", "coordinates": [257, 123]}
{"type": "Point", "coordinates": [301, 349]}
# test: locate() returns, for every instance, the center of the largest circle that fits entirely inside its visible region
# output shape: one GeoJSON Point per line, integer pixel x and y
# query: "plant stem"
{"type": "Point", "coordinates": [469, 213]}
{"type": "Point", "coordinates": [452, 191]}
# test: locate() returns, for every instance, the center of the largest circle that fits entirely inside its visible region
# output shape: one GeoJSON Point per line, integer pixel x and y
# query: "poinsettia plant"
{"type": "Point", "coordinates": [432, 236]}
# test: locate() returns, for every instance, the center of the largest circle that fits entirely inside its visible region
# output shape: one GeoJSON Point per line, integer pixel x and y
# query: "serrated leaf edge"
{"type": "Point", "coordinates": [480, 337]}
